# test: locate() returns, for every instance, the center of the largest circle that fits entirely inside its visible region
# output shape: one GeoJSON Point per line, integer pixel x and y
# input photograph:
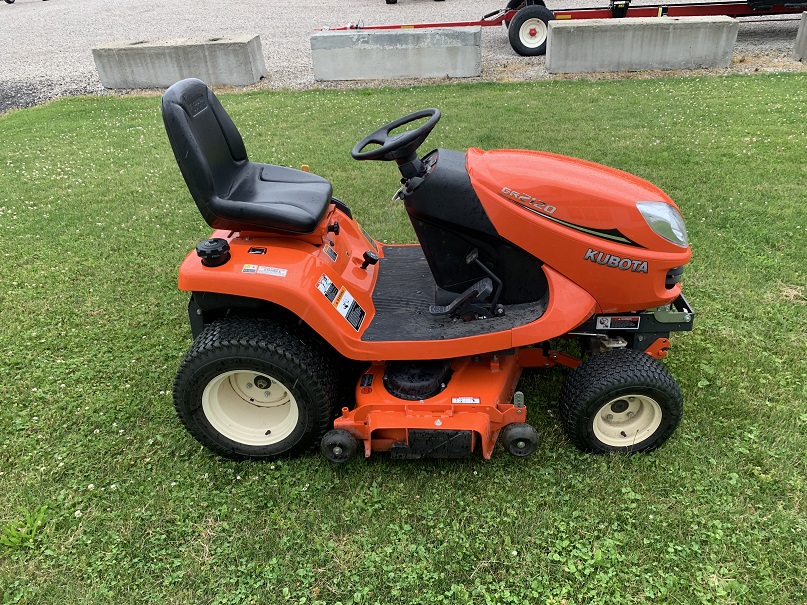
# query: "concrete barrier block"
{"type": "Point", "coordinates": [225, 60]}
{"type": "Point", "coordinates": [401, 53]}
{"type": "Point", "coordinates": [800, 50]}
{"type": "Point", "coordinates": [597, 45]}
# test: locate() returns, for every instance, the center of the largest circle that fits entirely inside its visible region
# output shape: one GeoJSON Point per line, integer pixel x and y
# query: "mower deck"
{"type": "Point", "coordinates": [403, 293]}
{"type": "Point", "coordinates": [466, 416]}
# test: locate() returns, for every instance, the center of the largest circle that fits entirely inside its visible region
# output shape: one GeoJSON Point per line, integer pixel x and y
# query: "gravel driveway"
{"type": "Point", "coordinates": [47, 45]}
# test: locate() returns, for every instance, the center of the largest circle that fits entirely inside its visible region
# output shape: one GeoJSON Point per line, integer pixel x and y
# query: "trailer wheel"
{"type": "Point", "coordinates": [529, 30]}
{"type": "Point", "coordinates": [514, 5]}
{"type": "Point", "coordinates": [256, 389]}
{"type": "Point", "coordinates": [621, 400]}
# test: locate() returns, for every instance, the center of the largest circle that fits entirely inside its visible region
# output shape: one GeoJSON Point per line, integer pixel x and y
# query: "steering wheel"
{"type": "Point", "coordinates": [399, 146]}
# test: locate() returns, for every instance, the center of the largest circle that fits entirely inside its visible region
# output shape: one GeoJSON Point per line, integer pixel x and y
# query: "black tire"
{"type": "Point", "coordinates": [256, 389]}
{"type": "Point", "coordinates": [531, 18]}
{"type": "Point", "coordinates": [9, 1]}
{"type": "Point", "coordinates": [392, 1]}
{"type": "Point", "coordinates": [621, 400]}
{"type": "Point", "coordinates": [338, 446]}
{"type": "Point", "coordinates": [519, 438]}
{"type": "Point", "coordinates": [514, 5]}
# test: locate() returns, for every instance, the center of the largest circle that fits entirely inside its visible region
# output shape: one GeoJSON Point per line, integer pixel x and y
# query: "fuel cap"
{"type": "Point", "coordinates": [213, 252]}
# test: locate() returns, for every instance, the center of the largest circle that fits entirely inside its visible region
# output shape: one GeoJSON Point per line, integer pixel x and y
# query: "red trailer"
{"type": "Point", "coordinates": [527, 20]}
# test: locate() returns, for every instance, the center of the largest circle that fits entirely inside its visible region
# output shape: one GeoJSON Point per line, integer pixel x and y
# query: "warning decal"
{"type": "Point", "coordinates": [272, 271]}
{"type": "Point", "coordinates": [343, 301]}
{"type": "Point", "coordinates": [465, 400]}
{"type": "Point", "coordinates": [330, 252]}
{"type": "Point", "coordinates": [326, 286]}
{"type": "Point", "coordinates": [618, 322]}
{"type": "Point", "coordinates": [262, 270]}
{"type": "Point", "coordinates": [349, 308]}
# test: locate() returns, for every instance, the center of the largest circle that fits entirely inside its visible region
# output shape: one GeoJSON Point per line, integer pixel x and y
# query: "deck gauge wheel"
{"type": "Point", "coordinates": [338, 446]}
{"type": "Point", "coordinates": [520, 439]}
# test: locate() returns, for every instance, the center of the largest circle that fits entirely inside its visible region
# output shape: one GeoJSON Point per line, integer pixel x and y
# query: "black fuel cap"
{"type": "Point", "coordinates": [213, 252]}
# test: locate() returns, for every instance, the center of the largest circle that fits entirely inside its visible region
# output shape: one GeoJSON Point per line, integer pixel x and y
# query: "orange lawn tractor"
{"type": "Point", "coordinates": [308, 332]}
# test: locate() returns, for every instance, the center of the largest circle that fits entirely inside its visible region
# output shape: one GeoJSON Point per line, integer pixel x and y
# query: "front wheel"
{"type": "Point", "coordinates": [621, 400]}
{"type": "Point", "coordinates": [256, 389]}
{"type": "Point", "coordinates": [529, 30]}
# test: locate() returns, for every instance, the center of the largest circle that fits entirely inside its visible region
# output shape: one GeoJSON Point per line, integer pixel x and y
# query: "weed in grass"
{"type": "Point", "coordinates": [20, 534]}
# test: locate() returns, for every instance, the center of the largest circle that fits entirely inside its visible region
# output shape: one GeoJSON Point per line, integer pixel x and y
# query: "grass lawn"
{"type": "Point", "coordinates": [104, 498]}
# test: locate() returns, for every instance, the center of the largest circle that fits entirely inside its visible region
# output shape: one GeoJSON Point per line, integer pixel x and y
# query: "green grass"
{"type": "Point", "coordinates": [95, 220]}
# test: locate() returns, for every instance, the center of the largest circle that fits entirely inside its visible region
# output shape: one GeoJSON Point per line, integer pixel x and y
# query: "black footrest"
{"type": "Point", "coordinates": [476, 293]}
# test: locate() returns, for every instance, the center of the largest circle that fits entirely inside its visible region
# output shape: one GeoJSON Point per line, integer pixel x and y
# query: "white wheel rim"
{"type": "Point", "coordinates": [626, 421]}
{"type": "Point", "coordinates": [237, 407]}
{"type": "Point", "coordinates": [532, 33]}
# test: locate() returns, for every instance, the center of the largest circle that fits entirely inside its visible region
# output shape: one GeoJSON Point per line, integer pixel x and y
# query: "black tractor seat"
{"type": "Point", "coordinates": [230, 191]}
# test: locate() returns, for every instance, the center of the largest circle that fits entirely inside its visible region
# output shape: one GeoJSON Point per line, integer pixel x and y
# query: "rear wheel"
{"type": "Point", "coordinates": [528, 32]}
{"type": "Point", "coordinates": [253, 388]}
{"type": "Point", "coordinates": [621, 400]}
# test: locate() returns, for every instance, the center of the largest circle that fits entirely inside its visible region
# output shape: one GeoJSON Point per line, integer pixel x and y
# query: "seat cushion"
{"type": "Point", "coordinates": [276, 198]}
{"type": "Point", "coordinates": [230, 191]}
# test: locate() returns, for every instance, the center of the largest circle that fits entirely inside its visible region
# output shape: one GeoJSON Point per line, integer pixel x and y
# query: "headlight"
{"type": "Point", "coordinates": [665, 220]}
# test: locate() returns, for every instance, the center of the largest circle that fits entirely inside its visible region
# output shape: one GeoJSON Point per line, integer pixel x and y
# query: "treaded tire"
{"type": "Point", "coordinates": [289, 373]}
{"type": "Point", "coordinates": [531, 17]}
{"type": "Point", "coordinates": [621, 400]}
{"type": "Point", "coordinates": [519, 438]}
{"type": "Point", "coordinates": [338, 446]}
{"type": "Point", "coordinates": [514, 5]}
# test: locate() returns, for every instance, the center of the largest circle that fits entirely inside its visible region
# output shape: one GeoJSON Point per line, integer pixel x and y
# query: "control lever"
{"type": "Point", "coordinates": [370, 258]}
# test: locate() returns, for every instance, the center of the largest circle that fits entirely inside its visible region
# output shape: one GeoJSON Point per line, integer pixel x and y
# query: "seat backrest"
{"type": "Point", "coordinates": [207, 145]}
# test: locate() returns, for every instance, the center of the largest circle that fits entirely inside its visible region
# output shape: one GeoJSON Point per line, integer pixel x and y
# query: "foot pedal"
{"type": "Point", "coordinates": [476, 293]}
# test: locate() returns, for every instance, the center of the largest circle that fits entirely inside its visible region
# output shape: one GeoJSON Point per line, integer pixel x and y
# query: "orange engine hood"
{"type": "Point", "coordinates": [581, 219]}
